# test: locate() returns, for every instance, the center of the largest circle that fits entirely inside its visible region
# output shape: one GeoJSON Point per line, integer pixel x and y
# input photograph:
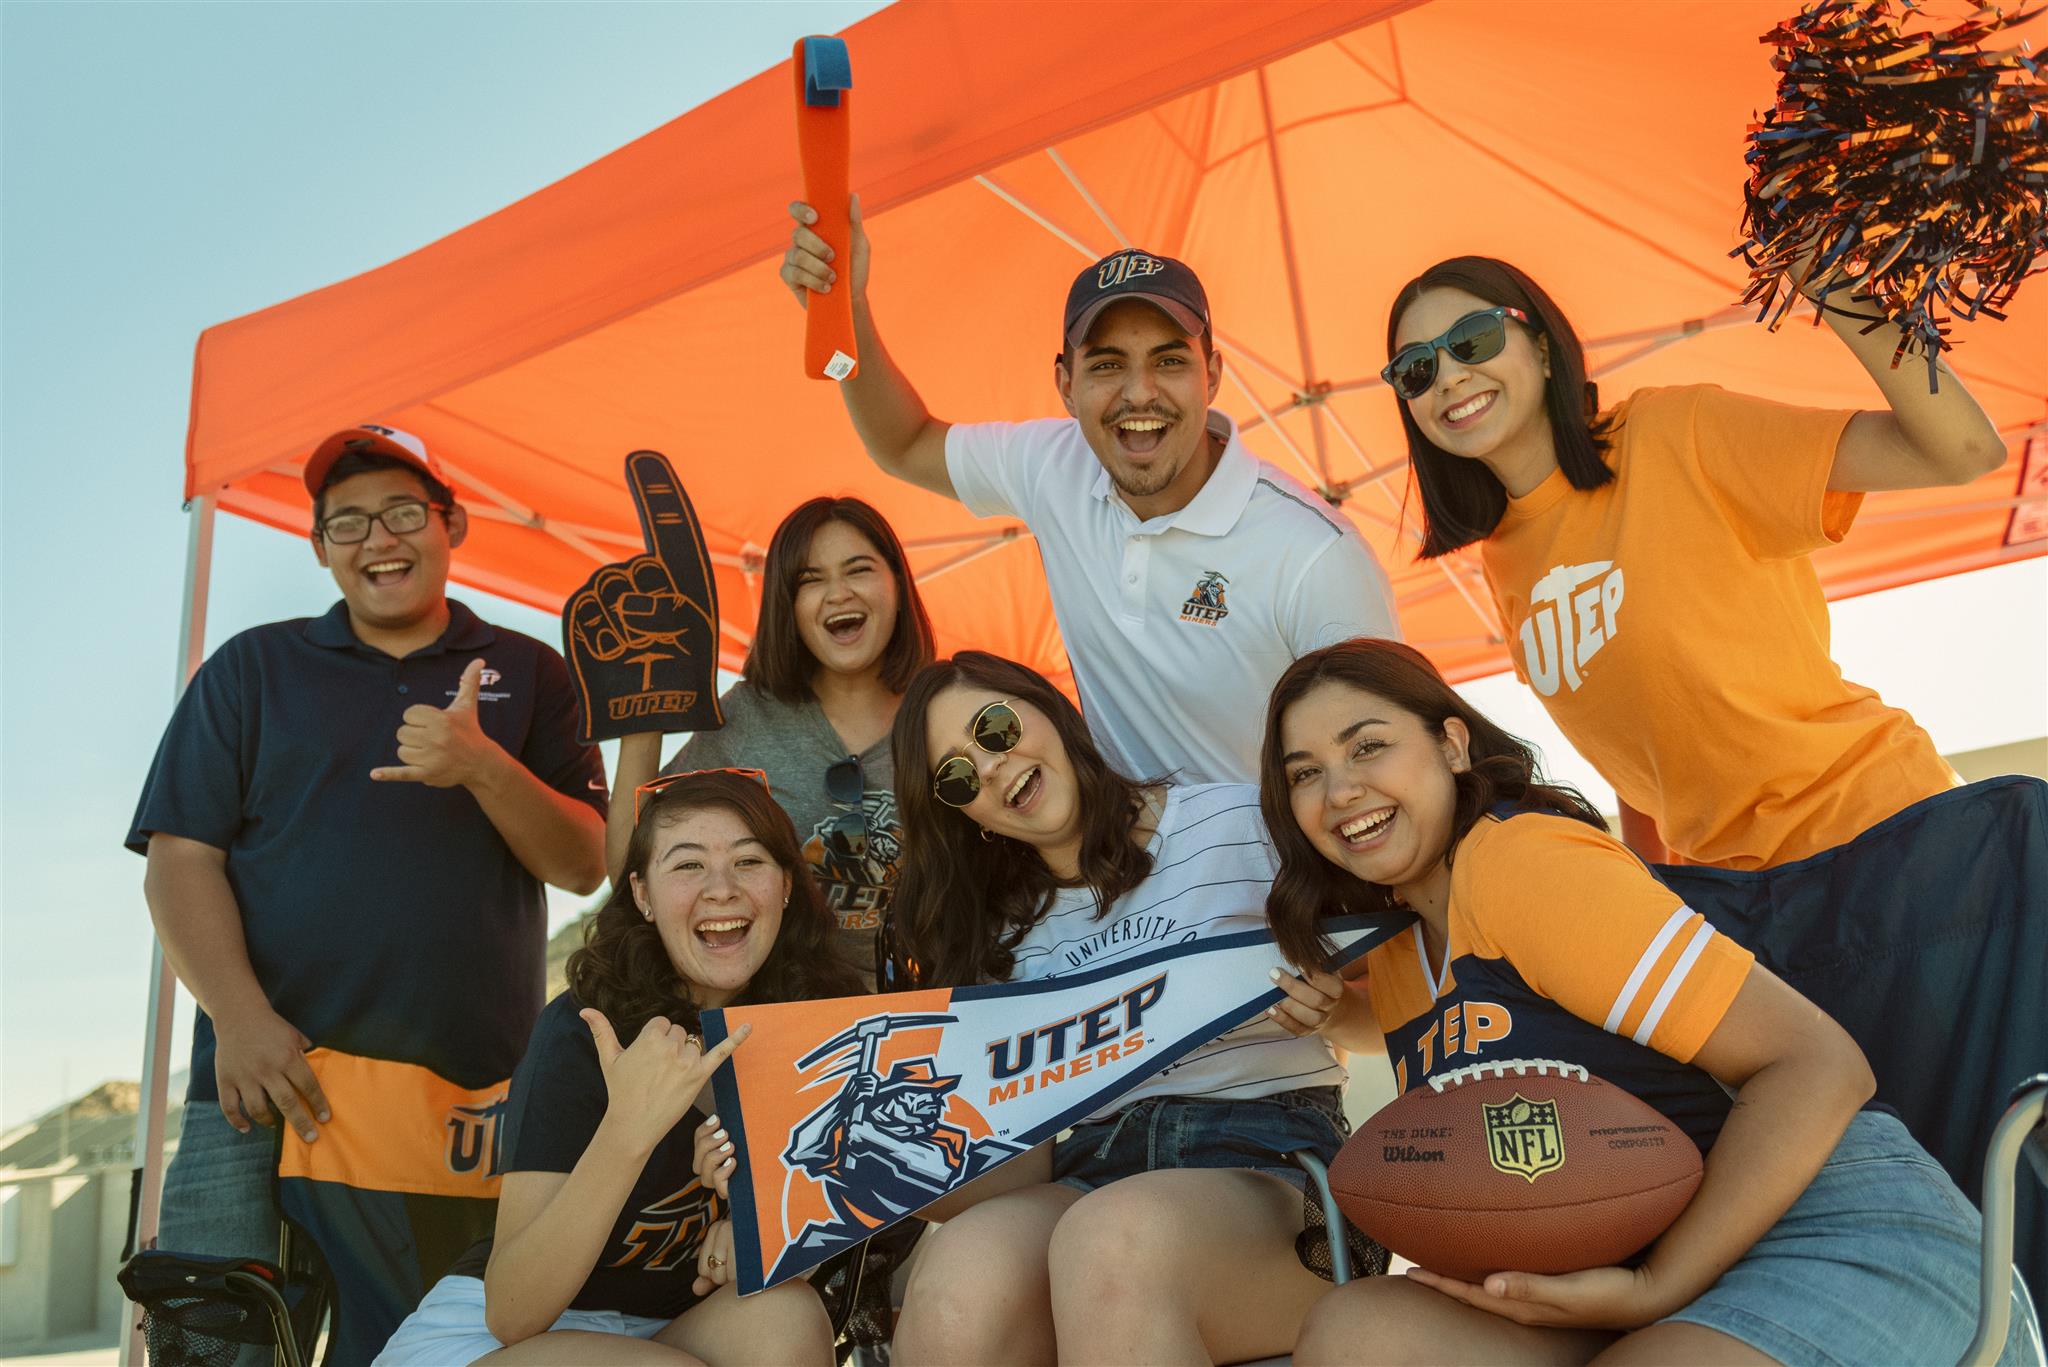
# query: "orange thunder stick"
{"type": "Point", "coordinates": [824, 76]}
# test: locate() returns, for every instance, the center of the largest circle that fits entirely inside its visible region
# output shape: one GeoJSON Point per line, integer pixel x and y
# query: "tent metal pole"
{"type": "Point", "coordinates": [1088, 197]}
{"type": "Point", "coordinates": [1293, 265]}
{"type": "Point", "coordinates": [150, 1114]}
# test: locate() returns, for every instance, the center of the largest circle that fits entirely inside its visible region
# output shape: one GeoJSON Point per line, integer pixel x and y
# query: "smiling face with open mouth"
{"type": "Point", "coordinates": [716, 897]}
{"type": "Point", "coordinates": [1374, 788]}
{"type": "Point", "coordinates": [1140, 388]}
{"type": "Point", "coordinates": [1491, 410]}
{"type": "Point", "coordinates": [1027, 793]}
{"type": "Point", "coordinates": [846, 600]}
{"type": "Point", "coordinates": [391, 583]}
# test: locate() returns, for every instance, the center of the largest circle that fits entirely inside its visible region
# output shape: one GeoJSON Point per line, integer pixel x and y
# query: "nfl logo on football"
{"type": "Point", "coordinates": [1523, 1137]}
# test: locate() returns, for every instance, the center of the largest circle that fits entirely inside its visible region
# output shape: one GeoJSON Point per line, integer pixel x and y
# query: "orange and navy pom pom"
{"type": "Point", "coordinates": [1907, 160]}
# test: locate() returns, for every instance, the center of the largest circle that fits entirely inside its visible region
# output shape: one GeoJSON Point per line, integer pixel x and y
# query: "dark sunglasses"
{"type": "Point", "coordinates": [996, 730]}
{"type": "Point", "coordinates": [655, 785]}
{"type": "Point", "coordinates": [1474, 338]}
{"type": "Point", "coordinates": [847, 785]}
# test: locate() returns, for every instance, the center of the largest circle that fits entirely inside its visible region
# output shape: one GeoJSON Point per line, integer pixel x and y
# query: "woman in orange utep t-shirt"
{"type": "Point", "coordinates": [1650, 565]}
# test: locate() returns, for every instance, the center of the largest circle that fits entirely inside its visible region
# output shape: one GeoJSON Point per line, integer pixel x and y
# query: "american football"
{"type": "Point", "coordinates": [1524, 1165]}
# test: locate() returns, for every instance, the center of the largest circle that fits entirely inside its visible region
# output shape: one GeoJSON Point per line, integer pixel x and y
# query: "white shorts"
{"type": "Point", "coordinates": [448, 1328]}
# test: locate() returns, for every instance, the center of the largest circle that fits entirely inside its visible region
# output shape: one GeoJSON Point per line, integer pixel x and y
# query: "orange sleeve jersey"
{"type": "Point", "coordinates": [1674, 627]}
{"type": "Point", "coordinates": [1562, 946]}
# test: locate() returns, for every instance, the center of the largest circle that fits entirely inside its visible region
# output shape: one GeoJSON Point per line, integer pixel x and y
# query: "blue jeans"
{"type": "Point", "coordinates": [220, 1196]}
{"type": "Point", "coordinates": [1203, 1132]}
{"type": "Point", "coordinates": [1876, 1262]}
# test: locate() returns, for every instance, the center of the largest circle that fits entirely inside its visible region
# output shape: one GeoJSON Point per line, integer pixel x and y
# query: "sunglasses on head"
{"type": "Point", "coordinates": [995, 730]}
{"type": "Point", "coordinates": [1474, 338]}
{"type": "Point", "coordinates": [655, 785]}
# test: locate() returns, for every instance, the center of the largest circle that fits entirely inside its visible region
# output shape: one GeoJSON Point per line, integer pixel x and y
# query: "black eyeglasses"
{"type": "Point", "coordinates": [1474, 338]}
{"type": "Point", "coordinates": [400, 519]}
{"type": "Point", "coordinates": [995, 730]}
{"type": "Point", "coordinates": [847, 785]}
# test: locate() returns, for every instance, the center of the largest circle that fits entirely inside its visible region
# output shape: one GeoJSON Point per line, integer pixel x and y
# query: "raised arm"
{"type": "Point", "coordinates": [1921, 440]}
{"type": "Point", "coordinates": [259, 1056]}
{"type": "Point", "coordinates": [639, 761]}
{"type": "Point", "coordinates": [899, 432]}
{"type": "Point", "coordinates": [552, 1226]}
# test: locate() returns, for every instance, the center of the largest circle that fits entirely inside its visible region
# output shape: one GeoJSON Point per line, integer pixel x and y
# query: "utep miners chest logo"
{"type": "Point", "coordinates": [892, 1138]}
{"type": "Point", "coordinates": [1205, 605]}
{"type": "Point", "coordinates": [856, 867]}
{"type": "Point", "coordinates": [666, 1235]}
{"type": "Point", "coordinates": [1523, 1138]}
{"type": "Point", "coordinates": [473, 1136]}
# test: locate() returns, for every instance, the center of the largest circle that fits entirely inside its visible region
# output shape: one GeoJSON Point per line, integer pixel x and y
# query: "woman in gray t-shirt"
{"type": "Point", "coordinates": [840, 634]}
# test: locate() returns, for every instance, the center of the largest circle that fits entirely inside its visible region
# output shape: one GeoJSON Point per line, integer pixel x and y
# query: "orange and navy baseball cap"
{"type": "Point", "coordinates": [1166, 284]}
{"type": "Point", "coordinates": [370, 439]}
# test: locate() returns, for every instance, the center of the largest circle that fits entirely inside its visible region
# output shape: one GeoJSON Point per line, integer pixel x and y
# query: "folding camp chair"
{"type": "Point", "coordinates": [2023, 1129]}
{"type": "Point", "coordinates": [202, 1312]}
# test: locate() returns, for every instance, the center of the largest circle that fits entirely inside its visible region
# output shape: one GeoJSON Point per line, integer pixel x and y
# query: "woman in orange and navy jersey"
{"type": "Point", "coordinates": [1650, 563]}
{"type": "Point", "coordinates": [1821, 1232]}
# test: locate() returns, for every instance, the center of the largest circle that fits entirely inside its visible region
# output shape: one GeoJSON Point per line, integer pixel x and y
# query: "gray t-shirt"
{"type": "Point", "coordinates": [794, 745]}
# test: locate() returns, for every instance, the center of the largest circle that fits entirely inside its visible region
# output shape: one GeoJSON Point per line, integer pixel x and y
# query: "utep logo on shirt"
{"type": "Point", "coordinates": [665, 1236]}
{"type": "Point", "coordinates": [1205, 605]}
{"type": "Point", "coordinates": [857, 884]}
{"type": "Point", "coordinates": [1573, 612]}
{"type": "Point", "coordinates": [473, 1137]}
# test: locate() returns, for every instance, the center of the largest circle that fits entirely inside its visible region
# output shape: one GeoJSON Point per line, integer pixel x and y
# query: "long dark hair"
{"type": "Point", "coordinates": [1503, 769]}
{"type": "Point", "coordinates": [624, 971]}
{"type": "Point", "coordinates": [778, 662]}
{"type": "Point", "coordinates": [963, 902]}
{"type": "Point", "coordinates": [1462, 500]}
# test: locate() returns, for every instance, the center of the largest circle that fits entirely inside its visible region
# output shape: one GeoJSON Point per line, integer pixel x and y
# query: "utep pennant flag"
{"type": "Point", "coordinates": [850, 1114]}
{"type": "Point", "coordinates": [399, 1185]}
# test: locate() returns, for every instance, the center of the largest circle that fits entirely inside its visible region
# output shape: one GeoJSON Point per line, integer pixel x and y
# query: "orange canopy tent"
{"type": "Point", "coordinates": [1304, 157]}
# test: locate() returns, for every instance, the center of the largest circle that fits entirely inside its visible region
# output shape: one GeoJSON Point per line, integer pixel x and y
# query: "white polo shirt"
{"type": "Point", "coordinates": [1179, 626]}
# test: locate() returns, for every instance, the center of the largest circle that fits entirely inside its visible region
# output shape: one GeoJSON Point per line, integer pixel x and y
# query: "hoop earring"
{"type": "Point", "coordinates": [986, 838]}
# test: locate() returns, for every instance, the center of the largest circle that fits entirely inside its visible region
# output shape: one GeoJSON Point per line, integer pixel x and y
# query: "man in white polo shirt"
{"type": "Point", "coordinates": [1186, 573]}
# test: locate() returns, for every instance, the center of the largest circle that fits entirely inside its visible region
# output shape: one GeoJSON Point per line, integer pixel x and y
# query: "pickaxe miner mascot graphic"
{"type": "Point", "coordinates": [881, 1146]}
{"type": "Point", "coordinates": [641, 636]}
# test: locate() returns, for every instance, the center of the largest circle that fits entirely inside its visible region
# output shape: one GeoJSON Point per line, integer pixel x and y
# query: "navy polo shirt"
{"type": "Point", "coordinates": [384, 919]}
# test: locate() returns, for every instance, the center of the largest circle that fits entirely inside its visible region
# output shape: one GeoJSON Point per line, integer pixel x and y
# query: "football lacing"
{"type": "Point", "coordinates": [1522, 1067]}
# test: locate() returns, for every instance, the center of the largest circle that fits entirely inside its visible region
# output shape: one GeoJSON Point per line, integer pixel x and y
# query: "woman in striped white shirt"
{"type": "Point", "coordinates": [1164, 1229]}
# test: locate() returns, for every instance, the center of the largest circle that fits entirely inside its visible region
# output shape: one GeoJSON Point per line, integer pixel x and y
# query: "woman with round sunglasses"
{"type": "Point", "coordinates": [1650, 563]}
{"type": "Point", "coordinates": [1164, 1228]}
{"type": "Point", "coordinates": [840, 633]}
{"type": "Point", "coordinates": [609, 1248]}
{"type": "Point", "coordinates": [1821, 1232]}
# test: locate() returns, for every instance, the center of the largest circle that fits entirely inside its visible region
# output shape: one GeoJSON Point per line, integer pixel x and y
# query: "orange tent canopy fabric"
{"type": "Point", "coordinates": [1306, 158]}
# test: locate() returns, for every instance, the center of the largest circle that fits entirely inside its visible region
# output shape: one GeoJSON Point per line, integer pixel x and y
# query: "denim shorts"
{"type": "Point", "coordinates": [448, 1328]}
{"type": "Point", "coordinates": [1202, 1132]}
{"type": "Point", "coordinates": [1876, 1262]}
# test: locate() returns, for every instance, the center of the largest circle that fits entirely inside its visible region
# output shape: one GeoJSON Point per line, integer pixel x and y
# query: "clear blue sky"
{"type": "Point", "coordinates": [169, 166]}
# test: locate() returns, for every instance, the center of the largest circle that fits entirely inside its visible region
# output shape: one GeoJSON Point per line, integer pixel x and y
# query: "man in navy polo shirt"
{"type": "Point", "coordinates": [1185, 572]}
{"type": "Point", "coordinates": [348, 825]}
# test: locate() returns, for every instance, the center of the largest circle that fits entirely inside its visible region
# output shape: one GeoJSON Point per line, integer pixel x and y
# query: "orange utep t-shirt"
{"type": "Point", "coordinates": [1674, 628]}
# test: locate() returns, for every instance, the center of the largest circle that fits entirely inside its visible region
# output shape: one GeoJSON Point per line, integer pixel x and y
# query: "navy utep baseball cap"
{"type": "Point", "coordinates": [1160, 281]}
